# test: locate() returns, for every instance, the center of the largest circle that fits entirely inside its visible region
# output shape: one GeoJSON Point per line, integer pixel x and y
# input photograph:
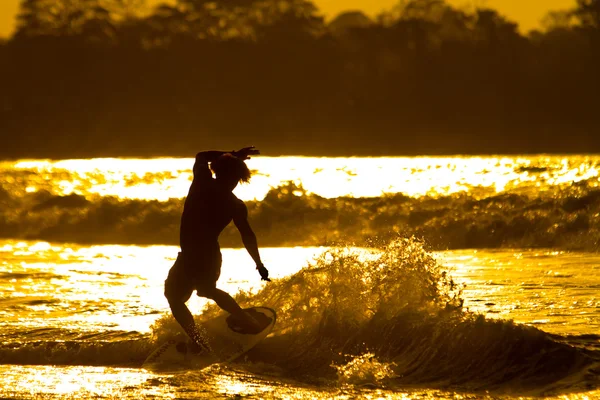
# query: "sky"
{"type": "Point", "coordinates": [528, 13]}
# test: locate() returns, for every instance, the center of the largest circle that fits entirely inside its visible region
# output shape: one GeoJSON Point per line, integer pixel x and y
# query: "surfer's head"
{"type": "Point", "coordinates": [230, 170]}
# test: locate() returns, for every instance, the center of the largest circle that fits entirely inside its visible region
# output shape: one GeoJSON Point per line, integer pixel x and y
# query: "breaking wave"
{"type": "Point", "coordinates": [393, 317]}
{"type": "Point", "coordinates": [559, 217]}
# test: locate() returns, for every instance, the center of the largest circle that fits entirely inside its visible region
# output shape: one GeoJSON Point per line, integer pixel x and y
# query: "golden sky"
{"type": "Point", "coordinates": [527, 13]}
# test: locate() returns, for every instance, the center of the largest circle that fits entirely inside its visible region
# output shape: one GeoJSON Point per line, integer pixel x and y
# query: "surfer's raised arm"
{"type": "Point", "coordinates": [240, 219]}
{"type": "Point", "coordinates": [204, 157]}
{"type": "Point", "coordinates": [213, 155]}
{"type": "Point", "coordinates": [201, 169]}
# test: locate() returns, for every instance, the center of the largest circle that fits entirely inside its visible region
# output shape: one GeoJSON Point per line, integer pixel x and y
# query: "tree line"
{"type": "Point", "coordinates": [83, 78]}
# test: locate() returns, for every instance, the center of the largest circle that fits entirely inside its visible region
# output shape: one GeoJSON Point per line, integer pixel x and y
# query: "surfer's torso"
{"type": "Point", "coordinates": [208, 209]}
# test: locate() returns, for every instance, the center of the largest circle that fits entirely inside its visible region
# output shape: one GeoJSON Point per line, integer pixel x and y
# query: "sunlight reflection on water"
{"type": "Point", "coordinates": [98, 288]}
{"type": "Point", "coordinates": [165, 178]}
{"type": "Point", "coordinates": [121, 287]}
{"type": "Point", "coordinates": [116, 287]}
{"type": "Point", "coordinates": [51, 382]}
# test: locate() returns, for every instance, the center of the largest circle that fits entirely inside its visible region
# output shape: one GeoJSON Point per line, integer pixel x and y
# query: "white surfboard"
{"type": "Point", "coordinates": [227, 343]}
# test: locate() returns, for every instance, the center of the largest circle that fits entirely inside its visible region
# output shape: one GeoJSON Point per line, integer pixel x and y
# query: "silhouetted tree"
{"type": "Point", "coordinates": [493, 30]}
{"type": "Point", "coordinates": [238, 19]}
{"type": "Point", "coordinates": [61, 17]}
{"type": "Point", "coordinates": [125, 10]}
{"type": "Point", "coordinates": [109, 77]}
{"type": "Point", "coordinates": [347, 21]}
{"type": "Point", "coordinates": [558, 20]}
{"type": "Point", "coordinates": [588, 13]}
{"type": "Point", "coordinates": [297, 21]}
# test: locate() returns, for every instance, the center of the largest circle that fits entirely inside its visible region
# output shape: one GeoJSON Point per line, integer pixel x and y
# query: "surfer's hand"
{"type": "Point", "coordinates": [264, 273]}
{"type": "Point", "coordinates": [246, 152]}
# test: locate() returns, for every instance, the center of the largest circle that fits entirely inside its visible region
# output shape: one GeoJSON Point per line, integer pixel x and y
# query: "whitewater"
{"type": "Point", "coordinates": [481, 281]}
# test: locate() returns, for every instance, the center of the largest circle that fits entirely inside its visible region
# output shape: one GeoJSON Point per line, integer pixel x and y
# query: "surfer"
{"type": "Point", "coordinates": [209, 207]}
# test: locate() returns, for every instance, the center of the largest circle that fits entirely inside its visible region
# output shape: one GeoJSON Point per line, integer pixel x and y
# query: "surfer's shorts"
{"type": "Point", "coordinates": [198, 272]}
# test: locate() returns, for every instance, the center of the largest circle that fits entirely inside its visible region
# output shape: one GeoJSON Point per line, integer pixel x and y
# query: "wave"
{"type": "Point", "coordinates": [388, 316]}
{"type": "Point", "coordinates": [56, 346]}
{"type": "Point", "coordinates": [394, 318]}
{"type": "Point", "coordinates": [565, 218]}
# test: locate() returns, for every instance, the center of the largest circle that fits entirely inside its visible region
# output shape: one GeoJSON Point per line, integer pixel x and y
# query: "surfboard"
{"type": "Point", "coordinates": [226, 339]}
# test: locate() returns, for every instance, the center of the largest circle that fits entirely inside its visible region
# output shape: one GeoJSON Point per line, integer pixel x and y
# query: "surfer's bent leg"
{"type": "Point", "coordinates": [206, 283]}
{"type": "Point", "coordinates": [223, 299]}
{"type": "Point", "coordinates": [178, 289]}
{"type": "Point", "coordinates": [206, 286]}
{"type": "Point", "coordinates": [227, 303]}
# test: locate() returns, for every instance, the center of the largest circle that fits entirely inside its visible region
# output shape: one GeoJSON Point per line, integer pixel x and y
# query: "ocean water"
{"type": "Point", "coordinates": [453, 202]}
{"type": "Point", "coordinates": [390, 316]}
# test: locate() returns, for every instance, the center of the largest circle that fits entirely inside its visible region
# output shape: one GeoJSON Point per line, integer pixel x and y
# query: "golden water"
{"type": "Point", "coordinates": [57, 291]}
{"type": "Point", "coordinates": [56, 295]}
{"type": "Point", "coordinates": [166, 178]}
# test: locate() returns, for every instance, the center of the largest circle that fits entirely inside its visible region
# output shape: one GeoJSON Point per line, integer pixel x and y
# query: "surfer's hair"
{"type": "Point", "coordinates": [230, 167]}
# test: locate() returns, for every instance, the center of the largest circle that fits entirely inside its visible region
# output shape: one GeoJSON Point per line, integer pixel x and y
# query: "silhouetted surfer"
{"type": "Point", "coordinates": [209, 207]}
